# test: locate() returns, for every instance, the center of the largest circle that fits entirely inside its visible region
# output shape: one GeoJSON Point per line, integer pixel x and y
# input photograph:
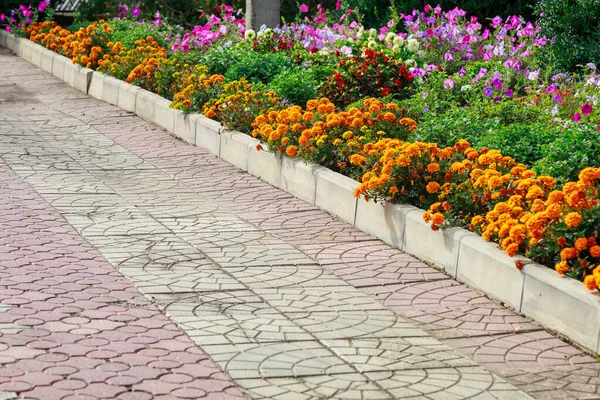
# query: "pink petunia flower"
{"type": "Point", "coordinates": [587, 109]}
{"type": "Point", "coordinates": [304, 8]}
{"type": "Point", "coordinates": [577, 117]}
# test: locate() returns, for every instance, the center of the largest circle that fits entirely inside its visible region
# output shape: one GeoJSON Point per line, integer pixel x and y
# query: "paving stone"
{"type": "Point", "coordinates": [100, 208]}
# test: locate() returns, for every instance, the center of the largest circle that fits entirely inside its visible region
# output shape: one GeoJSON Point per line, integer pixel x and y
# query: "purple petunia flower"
{"type": "Point", "coordinates": [508, 93]}
{"type": "Point", "coordinates": [488, 91]}
{"type": "Point", "coordinates": [497, 83]}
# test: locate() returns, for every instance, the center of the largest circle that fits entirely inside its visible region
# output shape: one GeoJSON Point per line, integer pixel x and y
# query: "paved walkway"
{"type": "Point", "coordinates": [288, 301]}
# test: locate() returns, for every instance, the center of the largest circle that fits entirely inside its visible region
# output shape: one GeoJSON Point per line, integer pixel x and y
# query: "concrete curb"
{"type": "Point", "coordinates": [559, 303]}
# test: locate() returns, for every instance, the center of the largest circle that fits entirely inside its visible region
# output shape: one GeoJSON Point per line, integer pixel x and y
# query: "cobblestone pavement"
{"type": "Point", "coordinates": [288, 301]}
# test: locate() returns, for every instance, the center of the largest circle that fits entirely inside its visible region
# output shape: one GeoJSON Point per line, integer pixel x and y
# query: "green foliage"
{"type": "Point", "coordinates": [456, 124]}
{"type": "Point", "coordinates": [256, 67]}
{"type": "Point", "coordinates": [297, 87]}
{"type": "Point", "coordinates": [575, 25]}
{"type": "Point", "coordinates": [525, 143]}
{"type": "Point", "coordinates": [128, 32]}
{"type": "Point", "coordinates": [219, 59]}
{"type": "Point", "coordinates": [92, 10]}
{"type": "Point", "coordinates": [575, 148]}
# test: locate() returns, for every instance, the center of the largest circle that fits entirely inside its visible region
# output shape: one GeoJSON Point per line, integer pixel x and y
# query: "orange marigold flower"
{"type": "Point", "coordinates": [389, 117]}
{"type": "Point", "coordinates": [432, 187]}
{"type": "Point", "coordinates": [291, 151]}
{"type": "Point", "coordinates": [590, 282]}
{"type": "Point", "coordinates": [519, 264]}
{"type": "Point", "coordinates": [573, 219]}
{"type": "Point", "coordinates": [562, 267]}
{"type": "Point", "coordinates": [568, 253]}
{"type": "Point", "coordinates": [562, 242]}
{"type": "Point", "coordinates": [433, 167]}
{"type": "Point", "coordinates": [595, 251]}
{"type": "Point", "coordinates": [438, 218]}
{"type": "Point", "coordinates": [581, 244]}
{"type": "Point", "coordinates": [512, 249]}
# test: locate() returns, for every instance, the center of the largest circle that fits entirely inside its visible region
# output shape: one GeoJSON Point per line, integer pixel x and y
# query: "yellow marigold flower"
{"type": "Point", "coordinates": [562, 267]}
{"type": "Point", "coordinates": [432, 187]}
{"type": "Point", "coordinates": [573, 219]}
{"type": "Point", "coordinates": [357, 159]}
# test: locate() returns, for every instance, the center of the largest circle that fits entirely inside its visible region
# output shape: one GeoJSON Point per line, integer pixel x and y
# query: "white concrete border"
{"type": "Point", "coordinates": [559, 303]}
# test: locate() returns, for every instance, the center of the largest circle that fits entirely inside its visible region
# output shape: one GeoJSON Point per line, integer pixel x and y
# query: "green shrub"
{"type": "Point", "coordinates": [297, 87]}
{"type": "Point", "coordinates": [456, 124]}
{"type": "Point", "coordinates": [575, 25]}
{"type": "Point", "coordinates": [128, 32]}
{"type": "Point", "coordinates": [256, 67]}
{"type": "Point", "coordinates": [576, 148]}
{"type": "Point", "coordinates": [524, 143]}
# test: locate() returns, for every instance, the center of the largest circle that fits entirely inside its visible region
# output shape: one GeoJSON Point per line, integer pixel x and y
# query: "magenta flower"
{"type": "Point", "coordinates": [8, 28]}
{"type": "Point", "coordinates": [304, 8]}
{"type": "Point", "coordinates": [2, 17]}
{"type": "Point", "coordinates": [587, 109]}
{"type": "Point", "coordinates": [577, 117]}
{"type": "Point", "coordinates": [508, 93]}
{"type": "Point", "coordinates": [43, 5]}
{"type": "Point", "coordinates": [135, 12]}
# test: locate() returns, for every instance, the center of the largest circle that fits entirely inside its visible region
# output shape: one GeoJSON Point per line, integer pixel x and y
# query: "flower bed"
{"type": "Point", "coordinates": [376, 105]}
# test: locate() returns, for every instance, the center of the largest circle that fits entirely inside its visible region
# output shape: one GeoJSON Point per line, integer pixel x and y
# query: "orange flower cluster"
{"type": "Point", "coordinates": [322, 134]}
{"type": "Point", "coordinates": [240, 104]}
{"type": "Point", "coordinates": [409, 172]}
{"type": "Point", "coordinates": [197, 90]}
{"type": "Point", "coordinates": [85, 47]}
{"type": "Point", "coordinates": [138, 65]}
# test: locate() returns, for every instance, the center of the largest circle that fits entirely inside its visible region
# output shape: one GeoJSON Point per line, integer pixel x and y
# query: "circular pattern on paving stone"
{"type": "Point", "coordinates": [29, 322]}
{"type": "Point", "coordinates": [93, 342]}
{"type": "Point", "coordinates": [76, 320]}
{"type": "Point", "coordinates": [10, 372]}
{"type": "Point", "coordinates": [42, 344]}
{"type": "Point", "coordinates": [69, 384]}
{"type": "Point", "coordinates": [84, 331]}
{"type": "Point", "coordinates": [15, 386]}
{"type": "Point", "coordinates": [114, 367]}
{"type": "Point", "coordinates": [153, 352]}
{"type": "Point", "coordinates": [135, 396]}
{"type": "Point", "coordinates": [79, 397]}
{"type": "Point", "coordinates": [52, 357]}
{"type": "Point", "coordinates": [165, 364]}
{"type": "Point", "coordinates": [143, 340]}
{"type": "Point", "coordinates": [102, 354]}
{"type": "Point", "coordinates": [60, 370]}
{"type": "Point", "coordinates": [123, 380]}
{"type": "Point", "coordinates": [176, 378]}
{"type": "Point", "coordinates": [188, 393]}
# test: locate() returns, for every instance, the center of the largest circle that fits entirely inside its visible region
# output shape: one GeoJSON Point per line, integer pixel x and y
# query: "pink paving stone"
{"type": "Point", "coordinates": [135, 396]}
